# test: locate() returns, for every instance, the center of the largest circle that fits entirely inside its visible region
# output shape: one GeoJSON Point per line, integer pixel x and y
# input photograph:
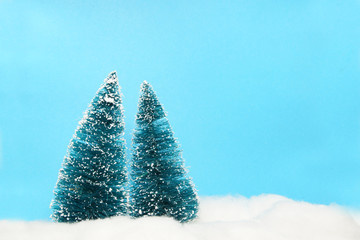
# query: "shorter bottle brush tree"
{"type": "Point", "coordinates": [92, 180]}
{"type": "Point", "coordinates": [159, 182]}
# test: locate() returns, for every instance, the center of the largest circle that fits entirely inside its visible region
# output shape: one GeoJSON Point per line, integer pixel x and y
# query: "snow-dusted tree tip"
{"type": "Point", "coordinates": [160, 185]}
{"type": "Point", "coordinates": [92, 180]}
{"type": "Point", "coordinates": [112, 78]}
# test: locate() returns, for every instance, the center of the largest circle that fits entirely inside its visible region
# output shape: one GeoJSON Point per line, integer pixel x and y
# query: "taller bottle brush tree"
{"type": "Point", "coordinates": [159, 182]}
{"type": "Point", "coordinates": [92, 180]}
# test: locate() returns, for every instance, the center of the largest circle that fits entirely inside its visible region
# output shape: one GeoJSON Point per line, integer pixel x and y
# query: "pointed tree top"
{"type": "Point", "coordinates": [109, 92]}
{"type": "Point", "coordinates": [145, 86]}
{"type": "Point", "coordinates": [147, 90]}
{"type": "Point", "coordinates": [111, 78]}
{"type": "Point", "coordinates": [150, 108]}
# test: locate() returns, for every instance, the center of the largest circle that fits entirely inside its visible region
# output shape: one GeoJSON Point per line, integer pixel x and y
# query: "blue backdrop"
{"type": "Point", "coordinates": [264, 96]}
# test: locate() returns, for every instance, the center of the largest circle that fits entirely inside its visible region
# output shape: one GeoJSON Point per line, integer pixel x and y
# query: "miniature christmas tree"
{"type": "Point", "coordinates": [159, 185]}
{"type": "Point", "coordinates": [92, 180]}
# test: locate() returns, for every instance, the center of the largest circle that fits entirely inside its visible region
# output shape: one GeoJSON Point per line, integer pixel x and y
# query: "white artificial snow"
{"type": "Point", "coordinates": [111, 80]}
{"type": "Point", "coordinates": [109, 99]}
{"type": "Point", "coordinates": [265, 217]}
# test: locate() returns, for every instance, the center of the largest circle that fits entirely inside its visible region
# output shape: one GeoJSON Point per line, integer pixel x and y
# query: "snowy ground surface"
{"type": "Point", "coordinates": [263, 217]}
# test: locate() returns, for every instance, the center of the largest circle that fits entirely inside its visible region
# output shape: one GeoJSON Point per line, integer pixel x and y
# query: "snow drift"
{"type": "Point", "coordinates": [263, 217]}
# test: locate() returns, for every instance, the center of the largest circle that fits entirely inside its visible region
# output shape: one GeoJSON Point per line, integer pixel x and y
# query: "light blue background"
{"type": "Point", "coordinates": [264, 96]}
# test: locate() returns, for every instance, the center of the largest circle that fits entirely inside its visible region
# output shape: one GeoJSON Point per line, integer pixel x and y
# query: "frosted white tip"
{"type": "Point", "coordinates": [112, 77]}
{"type": "Point", "coordinates": [145, 86]}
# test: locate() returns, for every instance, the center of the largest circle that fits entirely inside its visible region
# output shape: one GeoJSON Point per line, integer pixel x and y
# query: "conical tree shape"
{"type": "Point", "coordinates": [159, 183]}
{"type": "Point", "coordinates": [92, 180]}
